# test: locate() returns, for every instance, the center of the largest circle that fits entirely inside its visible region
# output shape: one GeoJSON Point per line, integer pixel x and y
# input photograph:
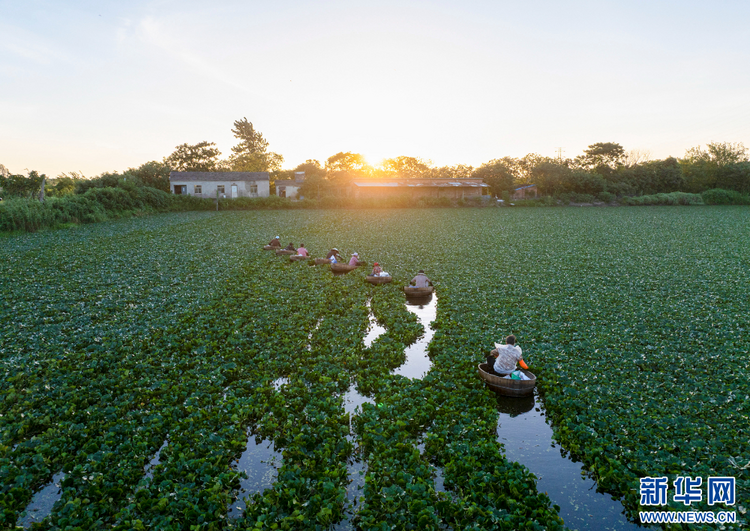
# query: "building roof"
{"type": "Point", "coordinates": [423, 183]}
{"type": "Point", "coordinates": [524, 187]}
{"type": "Point", "coordinates": [218, 176]}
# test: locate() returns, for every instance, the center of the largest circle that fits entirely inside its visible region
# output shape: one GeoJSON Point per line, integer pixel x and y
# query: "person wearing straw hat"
{"type": "Point", "coordinates": [354, 261]}
{"type": "Point", "coordinates": [503, 358]}
{"type": "Point", "coordinates": [275, 242]}
{"type": "Point", "coordinates": [333, 255]}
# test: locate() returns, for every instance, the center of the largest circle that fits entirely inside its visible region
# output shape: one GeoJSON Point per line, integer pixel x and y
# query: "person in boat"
{"type": "Point", "coordinates": [421, 280]}
{"type": "Point", "coordinates": [333, 255]}
{"type": "Point", "coordinates": [503, 359]}
{"type": "Point", "coordinates": [301, 251]}
{"type": "Point", "coordinates": [290, 247]}
{"type": "Point", "coordinates": [354, 261]}
{"type": "Point", "coordinates": [275, 242]}
{"type": "Point", "coordinates": [377, 271]}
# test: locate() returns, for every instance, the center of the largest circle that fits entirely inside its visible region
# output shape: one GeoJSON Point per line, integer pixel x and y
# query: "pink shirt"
{"type": "Point", "coordinates": [302, 251]}
{"type": "Point", "coordinates": [353, 261]}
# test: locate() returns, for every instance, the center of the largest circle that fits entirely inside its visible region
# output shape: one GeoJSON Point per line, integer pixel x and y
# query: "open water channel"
{"type": "Point", "coordinates": [523, 430]}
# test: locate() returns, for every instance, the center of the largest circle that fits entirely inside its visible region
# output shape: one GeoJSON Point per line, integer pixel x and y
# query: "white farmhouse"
{"type": "Point", "coordinates": [229, 184]}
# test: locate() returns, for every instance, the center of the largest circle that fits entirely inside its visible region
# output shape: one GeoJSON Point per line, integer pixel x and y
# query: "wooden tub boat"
{"type": "Point", "coordinates": [418, 292]}
{"type": "Point", "coordinates": [296, 258]}
{"type": "Point", "coordinates": [270, 247]}
{"type": "Point", "coordinates": [378, 280]}
{"type": "Point", "coordinates": [285, 252]}
{"type": "Point", "coordinates": [506, 386]}
{"type": "Point", "coordinates": [321, 261]}
{"type": "Point", "coordinates": [342, 268]}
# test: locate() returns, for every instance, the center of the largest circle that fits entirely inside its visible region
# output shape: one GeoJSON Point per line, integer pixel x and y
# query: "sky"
{"type": "Point", "coordinates": [95, 86]}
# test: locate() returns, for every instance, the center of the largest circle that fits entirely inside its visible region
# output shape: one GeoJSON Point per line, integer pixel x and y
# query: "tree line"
{"type": "Point", "coordinates": [604, 171]}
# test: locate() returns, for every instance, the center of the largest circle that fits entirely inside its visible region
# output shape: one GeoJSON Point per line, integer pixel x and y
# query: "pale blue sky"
{"type": "Point", "coordinates": [102, 86]}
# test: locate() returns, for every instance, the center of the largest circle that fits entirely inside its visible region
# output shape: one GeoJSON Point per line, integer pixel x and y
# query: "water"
{"type": "Point", "coordinates": [258, 461]}
{"type": "Point", "coordinates": [42, 502]}
{"type": "Point", "coordinates": [527, 437]}
{"type": "Point", "coordinates": [417, 362]}
{"type": "Point", "coordinates": [278, 382]}
{"type": "Point", "coordinates": [374, 331]}
{"type": "Point", "coordinates": [356, 467]}
{"type": "Point", "coordinates": [310, 335]}
{"type": "Point", "coordinates": [148, 470]}
{"type": "Point", "coordinates": [353, 401]}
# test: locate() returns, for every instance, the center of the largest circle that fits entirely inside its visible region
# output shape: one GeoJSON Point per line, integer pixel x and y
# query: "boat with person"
{"type": "Point", "coordinates": [507, 386]}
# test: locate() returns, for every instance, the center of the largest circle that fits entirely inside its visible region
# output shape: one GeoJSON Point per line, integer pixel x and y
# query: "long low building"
{"type": "Point", "coordinates": [450, 188]}
{"type": "Point", "coordinates": [229, 184]}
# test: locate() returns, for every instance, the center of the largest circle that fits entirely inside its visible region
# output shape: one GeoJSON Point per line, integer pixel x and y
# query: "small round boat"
{"type": "Point", "coordinates": [285, 252]}
{"type": "Point", "coordinates": [372, 279]}
{"type": "Point", "coordinates": [321, 261]}
{"type": "Point", "coordinates": [418, 292]}
{"type": "Point", "coordinates": [342, 268]}
{"type": "Point", "coordinates": [507, 386]}
{"type": "Point", "coordinates": [270, 247]}
{"type": "Point", "coordinates": [297, 257]}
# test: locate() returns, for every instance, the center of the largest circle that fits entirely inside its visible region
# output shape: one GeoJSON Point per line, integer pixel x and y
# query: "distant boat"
{"type": "Point", "coordinates": [342, 268]}
{"type": "Point", "coordinates": [372, 279]}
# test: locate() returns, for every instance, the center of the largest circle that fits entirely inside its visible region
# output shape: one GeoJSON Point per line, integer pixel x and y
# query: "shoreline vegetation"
{"type": "Point", "coordinates": [603, 175]}
{"type": "Point", "coordinates": [127, 200]}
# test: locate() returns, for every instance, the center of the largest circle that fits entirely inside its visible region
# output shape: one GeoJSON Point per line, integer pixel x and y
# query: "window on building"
{"type": "Point", "coordinates": [254, 189]}
{"type": "Point", "coordinates": [197, 189]}
{"type": "Point", "coordinates": [220, 188]}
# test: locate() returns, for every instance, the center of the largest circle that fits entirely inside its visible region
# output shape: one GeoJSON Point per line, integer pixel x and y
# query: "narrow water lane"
{"type": "Point", "coordinates": [417, 362]}
{"type": "Point", "coordinates": [523, 429]}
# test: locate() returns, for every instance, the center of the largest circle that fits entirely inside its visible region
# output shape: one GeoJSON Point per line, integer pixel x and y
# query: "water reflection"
{"type": "Point", "coordinates": [374, 330]}
{"type": "Point", "coordinates": [527, 437]}
{"type": "Point", "coordinates": [417, 362]}
{"type": "Point", "coordinates": [148, 470]}
{"type": "Point", "coordinates": [258, 461]}
{"type": "Point", "coordinates": [356, 466]}
{"type": "Point", "coordinates": [42, 502]}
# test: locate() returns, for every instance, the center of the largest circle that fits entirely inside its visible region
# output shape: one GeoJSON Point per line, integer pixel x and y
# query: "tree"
{"type": "Point", "coordinates": [717, 153]}
{"type": "Point", "coordinates": [154, 174]}
{"type": "Point", "coordinates": [20, 186]}
{"type": "Point", "coordinates": [203, 156]}
{"type": "Point", "coordinates": [405, 167]}
{"type": "Point", "coordinates": [551, 177]}
{"type": "Point", "coordinates": [703, 167]}
{"type": "Point", "coordinates": [497, 174]}
{"type": "Point", "coordinates": [316, 183]}
{"type": "Point", "coordinates": [459, 171]}
{"type": "Point", "coordinates": [252, 154]}
{"type": "Point", "coordinates": [351, 163]}
{"type": "Point", "coordinates": [602, 157]}
{"type": "Point", "coordinates": [64, 184]}
{"type": "Point", "coordinates": [312, 168]}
